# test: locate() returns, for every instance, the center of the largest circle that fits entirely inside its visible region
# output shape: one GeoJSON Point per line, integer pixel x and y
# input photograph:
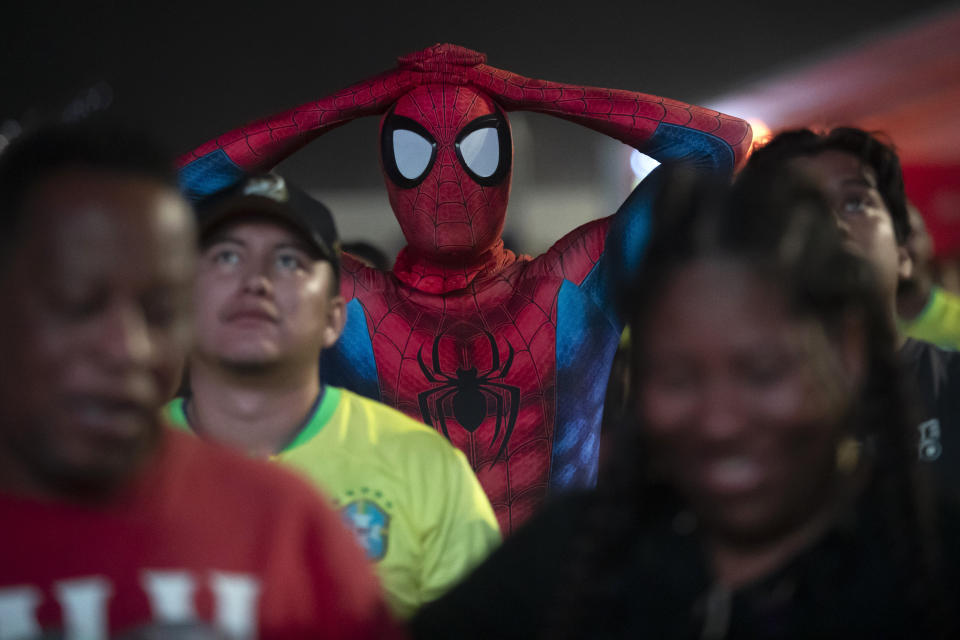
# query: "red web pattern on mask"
{"type": "Point", "coordinates": [448, 206]}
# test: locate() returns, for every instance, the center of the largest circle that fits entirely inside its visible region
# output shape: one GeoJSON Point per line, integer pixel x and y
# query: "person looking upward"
{"type": "Point", "coordinates": [861, 177]}
{"type": "Point", "coordinates": [267, 304]}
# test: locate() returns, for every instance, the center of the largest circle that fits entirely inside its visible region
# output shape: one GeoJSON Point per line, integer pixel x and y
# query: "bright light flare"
{"type": "Point", "coordinates": [761, 132]}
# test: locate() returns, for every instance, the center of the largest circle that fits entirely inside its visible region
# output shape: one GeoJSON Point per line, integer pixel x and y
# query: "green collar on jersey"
{"type": "Point", "coordinates": [176, 414]}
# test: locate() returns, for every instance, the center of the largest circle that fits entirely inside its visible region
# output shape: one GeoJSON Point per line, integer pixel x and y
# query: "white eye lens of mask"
{"type": "Point", "coordinates": [411, 152]}
{"type": "Point", "coordinates": [480, 151]}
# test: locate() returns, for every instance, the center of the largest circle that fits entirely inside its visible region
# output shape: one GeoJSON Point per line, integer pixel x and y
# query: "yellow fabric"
{"type": "Point", "coordinates": [411, 497]}
{"type": "Point", "coordinates": [938, 323]}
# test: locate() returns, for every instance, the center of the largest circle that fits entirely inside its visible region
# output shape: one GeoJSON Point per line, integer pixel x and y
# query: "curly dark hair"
{"type": "Point", "coordinates": [869, 147]}
{"type": "Point", "coordinates": [782, 228]}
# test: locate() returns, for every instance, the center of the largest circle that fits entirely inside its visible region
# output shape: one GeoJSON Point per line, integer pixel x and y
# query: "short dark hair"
{"type": "Point", "coordinates": [874, 152]}
{"type": "Point", "coordinates": [98, 144]}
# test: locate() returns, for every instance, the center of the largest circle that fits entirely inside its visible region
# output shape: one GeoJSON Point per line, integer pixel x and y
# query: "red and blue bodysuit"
{"type": "Point", "coordinates": [506, 355]}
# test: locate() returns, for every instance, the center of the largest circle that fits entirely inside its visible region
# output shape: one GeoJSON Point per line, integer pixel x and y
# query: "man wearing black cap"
{"type": "Point", "coordinates": [267, 304]}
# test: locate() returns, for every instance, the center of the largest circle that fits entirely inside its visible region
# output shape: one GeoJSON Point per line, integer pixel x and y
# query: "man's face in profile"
{"type": "Point", "coordinates": [850, 186]}
{"type": "Point", "coordinates": [98, 286]}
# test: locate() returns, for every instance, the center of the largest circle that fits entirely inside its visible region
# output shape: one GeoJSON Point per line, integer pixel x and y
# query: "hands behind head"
{"type": "Point", "coordinates": [441, 57]}
{"type": "Point", "coordinates": [443, 63]}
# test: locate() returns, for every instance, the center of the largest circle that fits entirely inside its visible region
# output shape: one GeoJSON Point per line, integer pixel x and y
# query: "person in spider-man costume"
{"type": "Point", "coordinates": [506, 355]}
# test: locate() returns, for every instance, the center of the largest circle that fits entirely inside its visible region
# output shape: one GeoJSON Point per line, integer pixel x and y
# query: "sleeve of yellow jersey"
{"type": "Point", "coordinates": [939, 322]}
{"type": "Point", "coordinates": [463, 529]}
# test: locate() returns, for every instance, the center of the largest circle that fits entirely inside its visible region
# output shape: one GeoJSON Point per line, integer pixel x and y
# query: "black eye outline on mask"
{"type": "Point", "coordinates": [392, 123]}
{"type": "Point", "coordinates": [494, 121]}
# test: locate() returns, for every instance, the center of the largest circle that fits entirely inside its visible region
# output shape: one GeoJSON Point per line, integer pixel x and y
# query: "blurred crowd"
{"type": "Point", "coordinates": [777, 456]}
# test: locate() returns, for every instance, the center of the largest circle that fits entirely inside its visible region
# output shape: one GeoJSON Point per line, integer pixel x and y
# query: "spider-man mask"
{"type": "Point", "coordinates": [446, 153]}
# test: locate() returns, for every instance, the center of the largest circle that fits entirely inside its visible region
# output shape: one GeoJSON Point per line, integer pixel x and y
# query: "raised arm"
{"type": "Point", "coordinates": [667, 130]}
{"type": "Point", "coordinates": [600, 255]}
{"type": "Point", "coordinates": [262, 144]}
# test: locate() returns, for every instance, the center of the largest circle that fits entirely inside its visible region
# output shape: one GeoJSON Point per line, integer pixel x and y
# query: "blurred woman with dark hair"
{"type": "Point", "coordinates": [770, 490]}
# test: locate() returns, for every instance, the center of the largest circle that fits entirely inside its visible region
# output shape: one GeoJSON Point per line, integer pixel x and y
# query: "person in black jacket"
{"type": "Point", "coordinates": [860, 175]}
{"type": "Point", "coordinates": [769, 490]}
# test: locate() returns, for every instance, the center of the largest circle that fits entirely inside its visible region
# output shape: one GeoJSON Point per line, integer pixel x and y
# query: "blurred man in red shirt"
{"type": "Point", "coordinates": [112, 523]}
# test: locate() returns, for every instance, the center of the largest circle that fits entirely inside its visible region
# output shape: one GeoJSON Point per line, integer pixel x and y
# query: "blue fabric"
{"type": "Point", "coordinates": [673, 143]}
{"type": "Point", "coordinates": [350, 362]}
{"type": "Point", "coordinates": [623, 250]}
{"type": "Point", "coordinates": [586, 342]}
{"type": "Point", "coordinates": [590, 317]}
{"type": "Point", "coordinates": [630, 228]}
{"type": "Point", "coordinates": [209, 174]}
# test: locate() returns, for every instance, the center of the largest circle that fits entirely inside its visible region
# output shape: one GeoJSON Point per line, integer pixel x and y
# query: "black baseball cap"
{"type": "Point", "coordinates": [270, 195]}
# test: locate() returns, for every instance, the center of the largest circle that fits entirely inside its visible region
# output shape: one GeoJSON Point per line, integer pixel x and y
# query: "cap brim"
{"type": "Point", "coordinates": [253, 206]}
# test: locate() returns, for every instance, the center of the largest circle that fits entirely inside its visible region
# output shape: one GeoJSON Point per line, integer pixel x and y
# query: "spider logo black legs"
{"type": "Point", "coordinates": [469, 392]}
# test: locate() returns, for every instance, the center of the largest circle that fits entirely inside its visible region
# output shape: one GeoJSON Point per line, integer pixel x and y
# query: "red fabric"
{"type": "Point", "coordinates": [935, 190]}
{"type": "Point", "coordinates": [454, 289]}
{"type": "Point", "coordinates": [448, 218]}
{"type": "Point", "coordinates": [200, 510]}
{"type": "Point", "coordinates": [518, 303]}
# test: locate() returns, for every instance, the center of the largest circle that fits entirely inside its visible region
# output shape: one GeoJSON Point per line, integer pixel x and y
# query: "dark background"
{"type": "Point", "coordinates": [195, 70]}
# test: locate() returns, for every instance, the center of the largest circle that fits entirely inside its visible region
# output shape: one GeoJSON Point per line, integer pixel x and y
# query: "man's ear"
{"type": "Point", "coordinates": [904, 263]}
{"type": "Point", "coordinates": [336, 319]}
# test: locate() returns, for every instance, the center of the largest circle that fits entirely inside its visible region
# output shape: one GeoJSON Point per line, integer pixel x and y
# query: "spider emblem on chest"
{"type": "Point", "coordinates": [467, 392]}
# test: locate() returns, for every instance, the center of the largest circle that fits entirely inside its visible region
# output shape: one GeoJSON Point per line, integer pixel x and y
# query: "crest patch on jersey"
{"type": "Point", "coordinates": [370, 523]}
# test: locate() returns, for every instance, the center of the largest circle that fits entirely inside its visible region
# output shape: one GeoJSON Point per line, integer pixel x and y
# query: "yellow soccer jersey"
{"type": "Point", "coordinates": [938, 323]}
{"type": "Point", "coordinates": [409, 496]}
